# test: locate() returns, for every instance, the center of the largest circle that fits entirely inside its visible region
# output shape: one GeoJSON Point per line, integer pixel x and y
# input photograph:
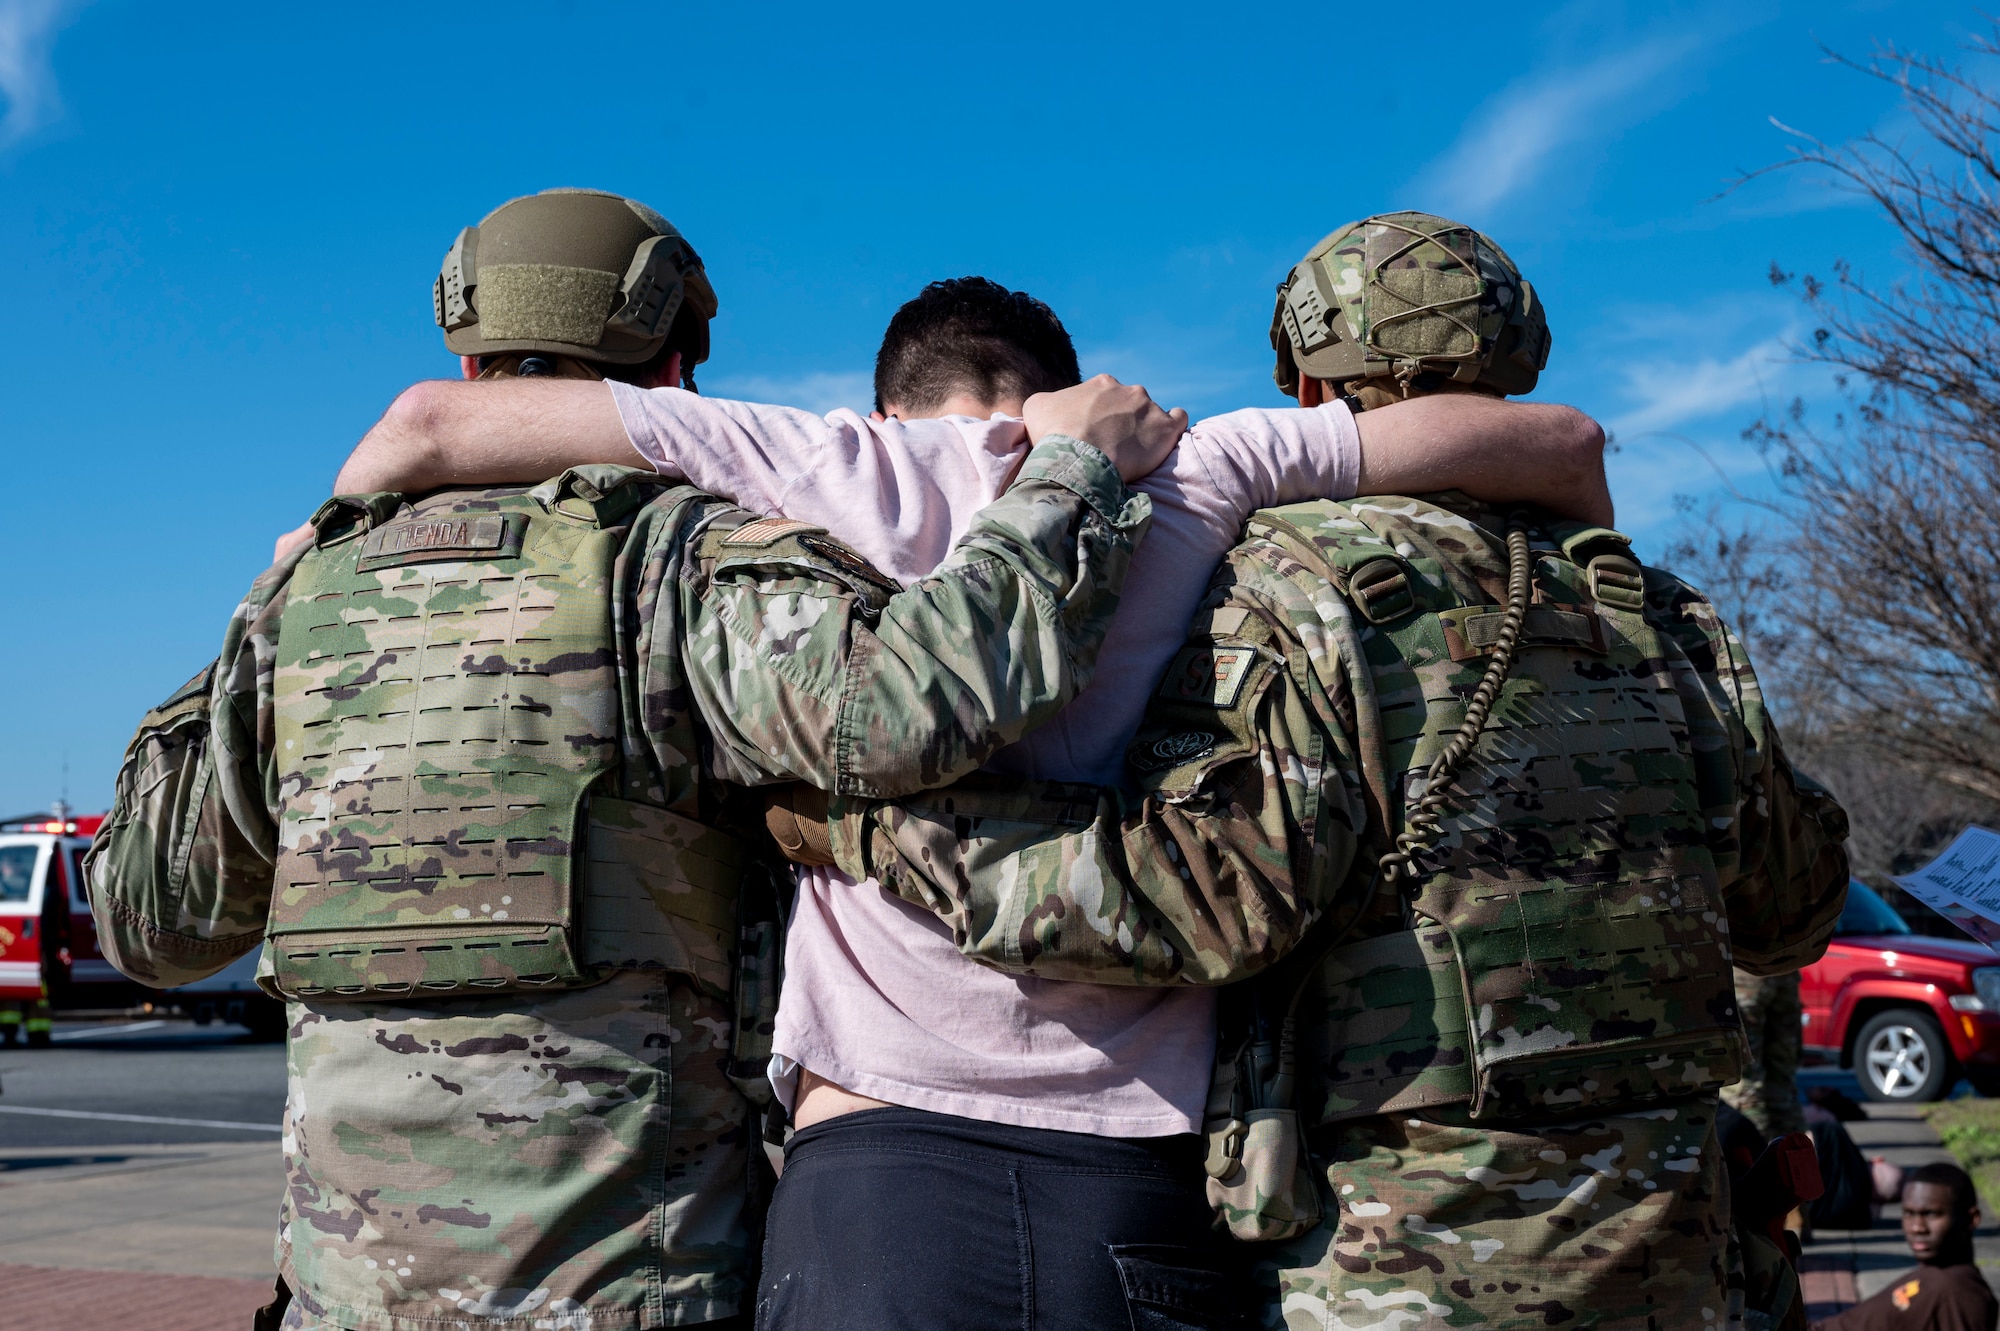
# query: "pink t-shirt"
{"type": "Point", "coordinates": [876, 997]}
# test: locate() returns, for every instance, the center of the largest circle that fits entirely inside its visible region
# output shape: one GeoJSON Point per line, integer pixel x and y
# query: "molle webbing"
{"type": "Point", "coordinates": [447, 700]}
{"type": "Point", "coordinates": [1400, 1010]}
{"type": "Point", "coordinates": [1567, 906]}
{"type": "Point", "coordinates": [1405, 1042]}
{"type": "Point", "coordinates": [660, 891]}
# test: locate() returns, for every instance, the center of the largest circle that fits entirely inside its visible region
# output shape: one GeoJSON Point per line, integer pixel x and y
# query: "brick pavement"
{"type": "Point", "coordinates": [49, 1298]}
{"type": "Point", "coordinates": [137, 1238]}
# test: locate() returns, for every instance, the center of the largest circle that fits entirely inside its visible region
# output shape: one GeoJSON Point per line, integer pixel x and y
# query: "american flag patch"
{"type": "Point", "coordinates": [768, 531]}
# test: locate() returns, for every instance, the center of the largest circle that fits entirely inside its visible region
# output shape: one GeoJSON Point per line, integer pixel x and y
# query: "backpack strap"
{"type": "Point", "coordinates": [1327, 538]}
{"type": "Point", "coordinates": [1613, 575]}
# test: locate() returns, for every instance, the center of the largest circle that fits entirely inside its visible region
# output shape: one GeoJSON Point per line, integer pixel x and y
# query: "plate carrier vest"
{"type": "Point", "coordinates": [1566, 950]}
{"type": "Point", "coordinates": [460, 816]}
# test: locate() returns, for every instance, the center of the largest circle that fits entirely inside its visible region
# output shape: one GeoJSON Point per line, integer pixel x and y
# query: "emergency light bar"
{"type": "Point", "coordinates": [39, 823]}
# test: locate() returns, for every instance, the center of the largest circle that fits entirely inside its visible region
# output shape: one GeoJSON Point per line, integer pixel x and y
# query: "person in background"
{"type": "Point", "coordinates": [1772, 1022]}
{"type": "Point", "coordinates": [1946, 1292]}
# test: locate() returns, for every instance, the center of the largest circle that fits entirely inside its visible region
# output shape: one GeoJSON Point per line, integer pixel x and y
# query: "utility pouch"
{"type": "Point", "coordinates": [1261, 1186]}
{"type": "Point", "coordinates": [1270, 1193]}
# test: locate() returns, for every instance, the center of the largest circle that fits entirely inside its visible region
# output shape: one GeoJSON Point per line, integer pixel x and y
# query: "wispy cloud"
{"type": "Point", "coordinates": [28, 98]}
{"type": "Point", "coordinates": [1509, 141]}
{"type": "Point", "coordinates": [1676, 384]}
{"type": "Point", "coordinates": [1668, 396]}
{"type": "Point", "coordinates": [816, 391]}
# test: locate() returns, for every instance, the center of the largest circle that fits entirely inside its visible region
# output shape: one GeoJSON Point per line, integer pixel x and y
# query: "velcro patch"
{"type": "Point", "coordinates": [448, 536]}
{"type": "Point", "coordinates": [1212, 676]}
{"type": "Point", "coordinates": [1474, 630]}
{"type": "Point", "coordinates": [767, 531]}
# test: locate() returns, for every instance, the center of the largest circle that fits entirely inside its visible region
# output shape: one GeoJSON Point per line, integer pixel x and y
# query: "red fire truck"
{"type": "Point", "coordinates": [48, 944]}
{"type": "Point", "coordinates": [49, 958]}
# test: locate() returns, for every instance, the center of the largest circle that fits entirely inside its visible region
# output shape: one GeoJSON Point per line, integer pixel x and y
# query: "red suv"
{"type": "Point", "coordinates": [1908, 1013]}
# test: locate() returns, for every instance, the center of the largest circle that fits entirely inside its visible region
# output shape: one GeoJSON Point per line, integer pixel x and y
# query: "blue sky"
{"type": "Point", "coordinates": [219, 225]}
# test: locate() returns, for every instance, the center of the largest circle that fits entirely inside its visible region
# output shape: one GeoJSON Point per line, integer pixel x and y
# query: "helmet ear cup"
{"type": "Point", "coordinates": [1286, 374]}
{"type": "Point", "coordinates": [451, 294]}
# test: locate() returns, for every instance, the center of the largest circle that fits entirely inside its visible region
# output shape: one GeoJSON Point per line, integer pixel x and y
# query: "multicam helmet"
{"type": "Point", "coordinates": [1400, 294]}
{"type": "Point", "coordinates": [573, 272]}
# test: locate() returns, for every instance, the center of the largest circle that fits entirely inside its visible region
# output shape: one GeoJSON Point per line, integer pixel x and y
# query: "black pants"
{"type": "Point", "coordinates": [902, 1220]}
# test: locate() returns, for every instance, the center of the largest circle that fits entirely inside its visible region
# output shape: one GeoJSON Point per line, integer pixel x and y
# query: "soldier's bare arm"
{"type": "Point", "coordinates": [180, 872]}
{"type": "Point", "coordinates": [1501, 452]}
{"type": "Point", "coordinates": [486, 432]}
{"type": "Point", "coordinates": [806, 665]}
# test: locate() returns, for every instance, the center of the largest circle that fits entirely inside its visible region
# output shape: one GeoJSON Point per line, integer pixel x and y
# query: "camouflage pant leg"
{"type": "Point", "coordinates": [575, 1158]}
{"type": "Point", "coordinates": [1615, 1224]}
{"type": "Point", "coordinates": [1769, 1091]}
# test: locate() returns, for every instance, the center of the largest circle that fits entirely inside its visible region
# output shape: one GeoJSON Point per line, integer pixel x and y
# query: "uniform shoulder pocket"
{"type": "Point", "coordinates": [171, 736]}
{"type": "Point", "coordinates": [1201, 717]}
{"type": "Point", "coordinates": [785, 547]}
{"type": "Point", "coordinates": [147, 838]}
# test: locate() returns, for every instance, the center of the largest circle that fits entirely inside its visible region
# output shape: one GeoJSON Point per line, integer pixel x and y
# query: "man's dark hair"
{"type": "Point", "coordinates": [971, 335]}
{"type": "Point", "coordinates": [1964, 1197]}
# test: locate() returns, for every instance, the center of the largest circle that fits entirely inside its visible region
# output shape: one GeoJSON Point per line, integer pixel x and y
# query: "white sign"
{"type": "Point", "coordinates": [1963, 884]}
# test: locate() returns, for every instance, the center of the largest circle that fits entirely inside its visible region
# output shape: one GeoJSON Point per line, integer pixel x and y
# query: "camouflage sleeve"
{"type": "Point", "coordinates": [1779, 839]}
{"type": "Point", "coordinates": [180, 872]}
{"type": "Point", "coordinates": [1241, 827]}
{"type": "Point", "coordinates": [807, 665]}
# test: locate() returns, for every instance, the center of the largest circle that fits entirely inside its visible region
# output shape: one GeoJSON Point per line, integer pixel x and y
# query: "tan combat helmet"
{"type": "Point", "coordinates": [1401, 294]}
{"type": "Point", "coordinates": [574, 272]}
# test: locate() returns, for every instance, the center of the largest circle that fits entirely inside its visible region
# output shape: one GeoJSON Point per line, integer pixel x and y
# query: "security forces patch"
{"type": "Point", "coordinates": [1183, 746]}
{"type": "Point", "coordinates": [1209, 675]}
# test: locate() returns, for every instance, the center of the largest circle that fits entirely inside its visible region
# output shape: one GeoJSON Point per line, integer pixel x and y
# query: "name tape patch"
{"type": "Point", "coordinates": [1209, 676]}
{"type": "Point", "coordinates": [455, 536]}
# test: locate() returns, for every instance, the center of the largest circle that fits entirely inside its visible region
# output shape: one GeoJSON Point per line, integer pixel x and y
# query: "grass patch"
{"type": "Point", "coordinates": [1970, 1130]}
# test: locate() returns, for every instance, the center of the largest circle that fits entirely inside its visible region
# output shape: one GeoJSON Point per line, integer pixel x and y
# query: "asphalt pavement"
{"type": "Point", "coordinates": [144, 1152]}
{"type": "Point", "coordinates": [151, 1081]}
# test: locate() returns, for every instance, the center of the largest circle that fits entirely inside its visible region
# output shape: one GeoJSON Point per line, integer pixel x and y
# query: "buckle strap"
{"type": "Point", "coordinates": [1381, 590]}
{"type": "Point", "coordinates": [1617, 581]}
{"type": "Point", "coordinates": [1615, 578]}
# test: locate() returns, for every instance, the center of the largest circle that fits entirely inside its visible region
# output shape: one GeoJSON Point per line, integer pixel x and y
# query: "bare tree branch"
{"type": "Point", "coordinates": [1874, 605]}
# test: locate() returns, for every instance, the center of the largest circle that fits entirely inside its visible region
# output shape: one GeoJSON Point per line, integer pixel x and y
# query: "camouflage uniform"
{"type": "Point", "coordinates": [1773, 1023]}
{"type": "Point", "coordinates": [584, 1157]}
{"type": "Point", "coordinates": [1280, 756]}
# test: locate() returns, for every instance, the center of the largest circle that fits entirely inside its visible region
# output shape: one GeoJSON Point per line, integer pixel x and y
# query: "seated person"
{"type": "Point", "coordinates": [1946, 1291]}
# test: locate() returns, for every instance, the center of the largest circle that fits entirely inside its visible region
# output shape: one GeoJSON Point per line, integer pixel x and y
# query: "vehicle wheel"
{"type": "Point", "coordinates": [265, 1019]}
{"type": "Point", "coordinates": [1901, 1057]}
